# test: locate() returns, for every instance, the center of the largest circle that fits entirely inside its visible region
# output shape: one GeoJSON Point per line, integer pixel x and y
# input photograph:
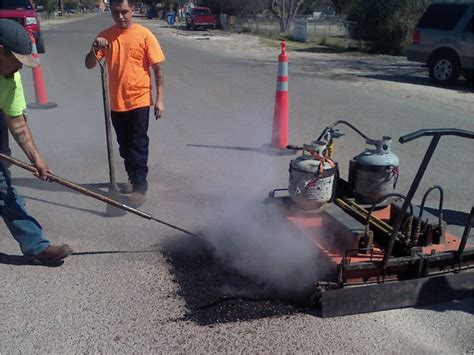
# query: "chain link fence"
{"type": "Point", "coordinates": [326, 30]}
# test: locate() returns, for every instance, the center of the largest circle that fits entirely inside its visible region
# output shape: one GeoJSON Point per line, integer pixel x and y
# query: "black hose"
{"type": "Point", "coordinates": [441, 198]}
{"type": "Point", "coordinates": [351, 126]}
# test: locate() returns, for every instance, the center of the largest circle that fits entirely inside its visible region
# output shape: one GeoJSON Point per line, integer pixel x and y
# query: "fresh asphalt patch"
{"type": "Point", "coordinates": [215, 293]}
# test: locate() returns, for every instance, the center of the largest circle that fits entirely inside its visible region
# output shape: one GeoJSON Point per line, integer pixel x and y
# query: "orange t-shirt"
{"type": "Point", "coordinates": [129, 56]}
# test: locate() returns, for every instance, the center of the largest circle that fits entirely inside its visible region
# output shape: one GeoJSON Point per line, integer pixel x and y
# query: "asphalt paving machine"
{"type": "Point", "coordinates": [385, 251]}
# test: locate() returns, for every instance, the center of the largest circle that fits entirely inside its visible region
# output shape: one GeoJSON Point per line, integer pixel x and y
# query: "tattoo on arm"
{"type": "Point", "coordinates": [22, 135]}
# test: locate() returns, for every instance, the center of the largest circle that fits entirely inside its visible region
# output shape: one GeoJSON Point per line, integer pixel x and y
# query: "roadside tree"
{"type": "Point", "coordinates": [285, 11]}
{"type": "Point", "coordinates": [386, 25]}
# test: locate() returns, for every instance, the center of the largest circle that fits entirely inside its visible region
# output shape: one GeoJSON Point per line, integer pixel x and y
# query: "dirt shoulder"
{"type": "Point", "coordinates": [50, 23]}
{"type": "Point", "coordinates": [391, 75]}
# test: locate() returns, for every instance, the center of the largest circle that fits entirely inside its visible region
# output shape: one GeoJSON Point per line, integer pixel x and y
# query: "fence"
{"type": "Point", "coordinates": [324, 30]}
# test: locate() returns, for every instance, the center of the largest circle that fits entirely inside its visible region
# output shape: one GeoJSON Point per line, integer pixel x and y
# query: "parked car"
{"type": "Point", "coordinates": [200, 17]}
{"type": "Point", "coordinates": [444, 41]}
{"type": "Point", "coordinates": [24, 12]}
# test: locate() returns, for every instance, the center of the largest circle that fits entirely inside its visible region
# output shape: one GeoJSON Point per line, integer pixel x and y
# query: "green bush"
{"type": "Point", "coordinates": [388, 24]}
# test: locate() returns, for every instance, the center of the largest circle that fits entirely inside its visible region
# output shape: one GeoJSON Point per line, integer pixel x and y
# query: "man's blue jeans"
{"type": "Point", "coordinates": [131, 128]}
{"type": "Point", "coordinates": [24, 228]}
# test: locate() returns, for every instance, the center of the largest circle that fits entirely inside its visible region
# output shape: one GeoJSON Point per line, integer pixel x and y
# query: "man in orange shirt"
{"type": "Point", "coordinates": [130, 49]}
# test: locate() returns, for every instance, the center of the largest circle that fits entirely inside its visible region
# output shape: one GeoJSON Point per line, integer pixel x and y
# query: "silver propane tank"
{"type": "Point", "coordinates": [311, 178]}
{"type": "Point", "coordinates": [374, 172]}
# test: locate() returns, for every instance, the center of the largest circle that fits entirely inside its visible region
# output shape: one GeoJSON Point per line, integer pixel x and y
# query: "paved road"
{"type": "Point", "coordinates": [136, 285]}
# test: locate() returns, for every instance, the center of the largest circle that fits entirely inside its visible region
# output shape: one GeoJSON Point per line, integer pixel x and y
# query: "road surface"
{"type": "Point", "coordinates": [135, 285]}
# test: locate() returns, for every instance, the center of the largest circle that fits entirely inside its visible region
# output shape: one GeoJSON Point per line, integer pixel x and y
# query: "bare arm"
{"type": "Point", "coordinates": [22, 134]}
{"type": "Point", "coordinates": [159, 82]}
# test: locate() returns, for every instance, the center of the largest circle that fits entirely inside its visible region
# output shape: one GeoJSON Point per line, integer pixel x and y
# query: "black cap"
{"type": "Point", "coordinates": [16, 39]}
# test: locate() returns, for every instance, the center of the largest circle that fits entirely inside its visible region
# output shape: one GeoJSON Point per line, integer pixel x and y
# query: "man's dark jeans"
{"type": "Point", "coordinates": [131, 128]}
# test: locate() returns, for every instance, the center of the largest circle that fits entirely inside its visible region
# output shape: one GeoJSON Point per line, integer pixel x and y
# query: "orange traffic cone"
{"type": "Point", "coordinates": [38, 82]}
{"type": "Point", "coordinates": [280, 114]}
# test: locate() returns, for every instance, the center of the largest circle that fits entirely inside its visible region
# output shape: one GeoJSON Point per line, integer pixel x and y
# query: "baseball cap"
{"type": "Point", "coordinates": [16, 39]}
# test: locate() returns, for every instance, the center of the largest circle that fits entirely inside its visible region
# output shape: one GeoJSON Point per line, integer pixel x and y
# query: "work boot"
{"type": "Point", "coordinates": [136, 199]}
{"type": "Point", "coordinates": [126, 188]}
{"type": "Point", "coordinates": [52, 254]}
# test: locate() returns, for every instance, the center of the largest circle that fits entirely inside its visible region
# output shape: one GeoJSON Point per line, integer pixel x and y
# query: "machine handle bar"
{"type": "Point", "coordinates": [436, 132]}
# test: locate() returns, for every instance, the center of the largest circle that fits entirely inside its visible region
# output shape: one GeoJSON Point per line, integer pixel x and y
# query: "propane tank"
{"type": "Point", "coordinates": [312, 177]}
{"type": "Point", "coordinates": [374, 172]}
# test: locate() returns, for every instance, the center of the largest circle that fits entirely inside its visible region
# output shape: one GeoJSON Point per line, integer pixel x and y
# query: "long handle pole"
{"type": "Point", "coordinates": [108, 120]}
{"type": "Point", "coordinates": [93, 194]}
{"type": "Point", "coordinates": [76, 187]}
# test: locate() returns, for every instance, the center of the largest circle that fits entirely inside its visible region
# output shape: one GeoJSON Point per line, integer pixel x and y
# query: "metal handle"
{"type": "Point", "coordinates": [108, 119]}
{"type": "Point", "coordinates": [436, 132]}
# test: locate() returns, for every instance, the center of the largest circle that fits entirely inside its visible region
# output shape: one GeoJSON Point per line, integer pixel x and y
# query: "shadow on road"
{"type": "Point", "coordinates": [441, 295]}
{"type": "Point", "coordinates": [466, 304]}
{"type": "Point", "coordinates": [52, 187]}
{"type": "Point", "coordinates": [264, 150]}
{"type": "Point", "coordinates": [452, 217]}
{"type": "Point", "coordinates": [110, 252]}
{"type": "Point", "coordinates": [97, 213]}
{"type": "Point", "coordinates": [21, 260]}
{"type": "Point", "coordinates": [215, 294]}
{"type": "Point", "coordinates": [462, 86]}
{"type": "Point", "coordinates": [37, 184]}
{"type": "Point", "coordinates": [325, 49]}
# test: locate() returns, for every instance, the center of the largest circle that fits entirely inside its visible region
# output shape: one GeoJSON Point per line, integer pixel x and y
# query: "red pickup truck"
{"type": "Point", "coordinates": [24, 12]}
{"type": "Point", "coordinates": [200, 17]}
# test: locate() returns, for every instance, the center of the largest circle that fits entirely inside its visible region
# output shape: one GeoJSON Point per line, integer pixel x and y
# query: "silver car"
{"type": "Point", "coordinates": [444, 41]}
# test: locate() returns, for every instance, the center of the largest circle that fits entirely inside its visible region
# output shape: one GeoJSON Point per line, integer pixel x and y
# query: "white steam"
{"type": "Point", "coordinates": [265, 248]}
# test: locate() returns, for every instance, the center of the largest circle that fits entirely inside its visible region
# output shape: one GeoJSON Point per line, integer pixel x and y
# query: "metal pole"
{"type": "Point", "coordinates": [467, 232]}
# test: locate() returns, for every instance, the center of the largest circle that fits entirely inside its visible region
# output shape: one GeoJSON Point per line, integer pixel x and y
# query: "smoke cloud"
{"type": "Point", "coordinates": [265, 248]}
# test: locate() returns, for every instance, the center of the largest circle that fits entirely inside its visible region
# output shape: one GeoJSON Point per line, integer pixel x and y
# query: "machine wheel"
{"type": "Point", "coordinates": [444, 68]}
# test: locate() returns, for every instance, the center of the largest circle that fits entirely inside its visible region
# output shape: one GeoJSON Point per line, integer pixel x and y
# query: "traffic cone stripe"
{"type": "Point", "coordinates": [282, 86]}
{"type": "Point", "coordinates": [282, 69]}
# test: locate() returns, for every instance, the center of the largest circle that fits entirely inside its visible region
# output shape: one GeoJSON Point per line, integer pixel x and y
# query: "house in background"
{"type": "Point", "coordinates": [323, 10]}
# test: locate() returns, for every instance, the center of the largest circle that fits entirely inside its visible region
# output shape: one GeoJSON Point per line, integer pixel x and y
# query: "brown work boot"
{"type": "Point", "coordinates": [52, 254]}
{"type": "Point", "coordinates": [136, 199]}
{"type": "Point", "coordinates": [126, 188]}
